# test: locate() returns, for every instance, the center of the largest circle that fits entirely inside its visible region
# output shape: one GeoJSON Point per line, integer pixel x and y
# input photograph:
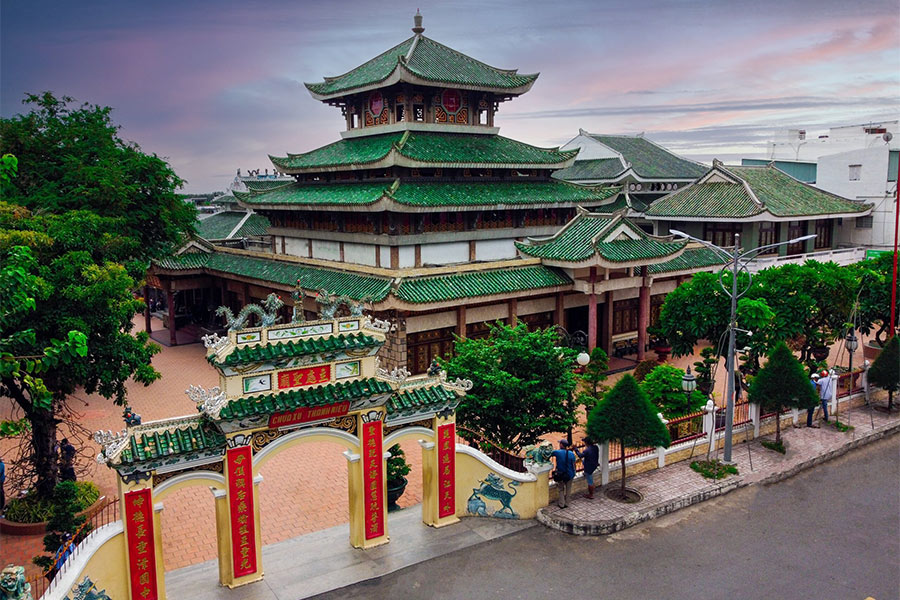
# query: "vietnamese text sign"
{"type": "Point", "coordinates": [239, 462]}
{"type": "Point", "coordinates": [141, 548]}
{"type": "Point", "coordinates": [308, 414]}
{"type": "Point", "coordinates": [373, 479]}
{"type": "Point", "coordinates": [304, 377]}
{"type": "Point", "coordinates": [446, 470]}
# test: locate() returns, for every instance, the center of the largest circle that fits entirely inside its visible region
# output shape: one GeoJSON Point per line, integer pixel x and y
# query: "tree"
{"type": "Point", "coordinates": [885, 371]}
{"type": "Point", "coordinates": [782, 383]}
{"type": "Point", "coordinates": [592, 378]}
{"type": "Point", "coordinates": [875, 277]}
{"type": "Point", "coordinates": [522, 382]}
{"type": "Point", "coordinates": [663, 387]}
{"type": "Point", "coordinates": [91, 209]}
{"type": "Point", "coordinates": [626, 415]}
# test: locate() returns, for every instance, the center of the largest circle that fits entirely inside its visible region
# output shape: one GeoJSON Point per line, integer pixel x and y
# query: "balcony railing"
{"type": "Point", "coordinates": [841, 256]}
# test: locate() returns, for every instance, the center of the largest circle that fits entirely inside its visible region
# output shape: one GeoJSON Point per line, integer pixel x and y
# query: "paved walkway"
{"type": "Point", "coordinates": [676, 486]}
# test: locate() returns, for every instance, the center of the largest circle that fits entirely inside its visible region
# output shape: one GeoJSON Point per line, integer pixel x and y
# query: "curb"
{"type": "Point", "coordinates": [609, 526]}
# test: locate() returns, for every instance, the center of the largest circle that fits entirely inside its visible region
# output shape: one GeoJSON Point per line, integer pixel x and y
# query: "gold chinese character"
{"type": "Point", "coordinates": [141, 547]}
{"type": "Point", "coordinates": [242, 519]}
{"type": "Point", "coordinates": [138, 517]}
{"type": "Point", "coordinates": [143, 564]}
{"type": "Point", "coordinates": [239, 459]}
{"type": "Point", "coordinates": [239, 471]}
{"type": "Point", "coordinates": [245, 563]}
{"type": "Point", "coordinates": [139, 501]}
{"type": "Point", "coordinates": [140, 532]}
{"type": "Point", "coordinates": [145, 592]}
{"type": "Point", "coordinates": [144, 578]}
{"type": "Point", "coordinates": [242, 507]}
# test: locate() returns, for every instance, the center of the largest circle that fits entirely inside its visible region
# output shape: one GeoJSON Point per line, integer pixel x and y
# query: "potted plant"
{"type": "Point", "coordinates": [397, 470]}
{"type": "Point", "coordinates": [703, 369]}
{"type": "Point", "coordinates": [660, 343]}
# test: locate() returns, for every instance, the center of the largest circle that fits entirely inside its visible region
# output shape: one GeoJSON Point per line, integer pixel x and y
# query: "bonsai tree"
{"type": "Point", "coordinates": [63, 525]}
{"type": "Point", "coordinates": [782, 383]}
{"type": "Point", "coordinates": [396, 471]}
{"type": "Point", "coordinates": [663, 387]}
{"type": "Point", "coordinates": [626, 415]}
{"type": "Point", "coordinates": [885, 371]}
{"type": "Point", "coordinates": [703, 369]}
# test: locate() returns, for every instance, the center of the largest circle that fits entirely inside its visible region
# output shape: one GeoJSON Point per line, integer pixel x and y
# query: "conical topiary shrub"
{"type": "Point", "coordinates": [885, 371]}
{"type": "Point", "coordinates": [782, 383]}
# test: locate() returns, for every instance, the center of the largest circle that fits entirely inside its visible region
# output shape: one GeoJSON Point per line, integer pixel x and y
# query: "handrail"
{"type": "Point", "coordinates": [510, 460]}
{"type": "Point", "coordinates": [105, 514]}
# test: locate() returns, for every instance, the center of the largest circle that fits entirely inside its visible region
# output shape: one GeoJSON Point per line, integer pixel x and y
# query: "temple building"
{"type": "Point", "coordinates": [441, 225]}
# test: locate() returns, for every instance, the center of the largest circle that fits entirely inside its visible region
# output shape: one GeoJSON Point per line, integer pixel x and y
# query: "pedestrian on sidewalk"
{"type": "Point", "coordinates": [564, 473]}
{"type": "Point", "coordinates": [591, 458]}
{"type": "Point", "coordinates": [824, 385]}
{"type": "Point", "coordinates": [812, 409]}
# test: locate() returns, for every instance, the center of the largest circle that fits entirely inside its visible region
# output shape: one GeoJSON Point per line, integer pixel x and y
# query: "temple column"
{"type": "Point", "coordinates": [608, 306]}
{"type": "Point", "coordinates": [243, 558]}
{"type": "Point", "coordinates": [461, 321]}
{"type": "Point", "coordinates": [170, 301]}
{"type": "Point", "coordinates": [592, 313]}
{"type": "Point", "coordinates": [513, 312]}
{"type": "Point", "coordinates": [643, 314]}
{"type": "Point", "coordinates": [366, 479]}
{"type": "Point", "coordinates": [143, 538]}
{"type": "Point", "coordinates": [439, 506]}
{"type": "Point", "coordinates": [560, 311]}
{"type": "Point", "coordinates": [147, 326]}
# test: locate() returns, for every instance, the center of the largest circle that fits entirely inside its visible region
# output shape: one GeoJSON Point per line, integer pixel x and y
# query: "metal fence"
{"type": "Point", "coordinates": [505, 458]}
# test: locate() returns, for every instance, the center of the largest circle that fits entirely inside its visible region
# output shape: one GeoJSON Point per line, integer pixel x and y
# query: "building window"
{"type": "Point", "coordinates": [768, 234]}
{"type": "Point", "coordinates": [424, 346]}
{"type": "Point", "coordinates": [823, 234]}
{"type": "Point", "coordinates": [354, 121]}
{"type": "Point", "coordinates": [482, 116]}
{"type": "Point", "coordinates": [400, 113]}
{"type": "Point", "coordinates": [625, 316]}
{"type": "Point", "coordinates": [418, 112]}
{"type": "Point", "coordinates": [796, 229]}
{"type": "Point", "coordinates": [721, 234]}
{"type": "Point", "coordinates": [865, 222]}
{"type": "Point", "coordinates": [855, 172]}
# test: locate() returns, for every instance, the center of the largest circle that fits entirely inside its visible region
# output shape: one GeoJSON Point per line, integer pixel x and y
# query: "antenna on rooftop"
{"type": "Point", "coordinates": [417, 21]}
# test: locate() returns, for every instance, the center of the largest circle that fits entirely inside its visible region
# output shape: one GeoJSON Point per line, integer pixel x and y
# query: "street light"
{"type": "Point", "coordinates": [852, 344]}
{"type": "Point", "coordinates": [583, 359]}
{"type": "Point", "coordinates": [738, 262]}
{"type": "Point", "coordinates": [688, 382]}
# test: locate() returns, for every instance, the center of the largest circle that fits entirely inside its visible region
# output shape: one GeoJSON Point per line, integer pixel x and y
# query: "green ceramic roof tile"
{"type": "Point", "coordinates": [784, 196]}
{"type": "Point", "coordinates": [260, 353]}
{"type": "Point", "coordinates": [266, 184]}
{"type": "Point", "coordinates": [597, 168]}
{"type": "Point", "coordinates": [445, 149]}
{"type": "Point", "coordinates": [579, 241]}
{"type": "Point", "coordinates": [715, 199]}
{"type": "Point", "coordinates": [316, 396]}
{"type": "Point", "coordinates": [183, 262]}
{"type": "Point", "coordinates": [218, 226]}
{"type": "Point", "coordinates": [691, 258]}
{"type": "Point", "coordinates": [317, 194]}
{"type": "Point", "coordinates": [649, 160]}
{"type": "Point", "coordinates": [429, 60]}
{"type": "Point", "coordinates": [254, 226]}
{"type": "Point", "coordinates": [164, 443]}
{"type": "Point", "coordinates": [479, 283]}
{"type": "Point", "coordinates": [418, 399]}
{"type": "Point", "coordinates": [499, 193]}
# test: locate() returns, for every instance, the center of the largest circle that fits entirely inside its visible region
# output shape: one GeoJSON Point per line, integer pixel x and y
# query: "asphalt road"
{"type": "Point", "coordinates": [832, 532]}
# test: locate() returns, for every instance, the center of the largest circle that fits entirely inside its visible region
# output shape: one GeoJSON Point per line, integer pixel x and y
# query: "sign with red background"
{"type": "Point", "coordinates": [308, 414]}
{"type": "Point", "coordinates": [373, 479]}
{"type": "Point", "coordinates": [239, 463]}
{"type": "Point", "coordinates": [304, 377]}
{"type": "Point", "coordinates": [376, 103]}
{"type": "Point", "coordinates": [446, 470]}
{"type": "Point", "coordinates": [141, 546]}
{"type": "Point", "coordinates": [451, 100]}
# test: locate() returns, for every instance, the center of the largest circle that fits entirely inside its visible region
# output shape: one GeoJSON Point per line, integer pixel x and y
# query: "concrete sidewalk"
{"type": "Point", "coordinates": [323, 561]}
{"type": "Point", "coordinates": [677, 486]}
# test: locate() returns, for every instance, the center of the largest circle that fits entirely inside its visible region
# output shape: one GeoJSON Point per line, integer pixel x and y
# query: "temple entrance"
{"type": "Point", "coordinates": [188, 524]}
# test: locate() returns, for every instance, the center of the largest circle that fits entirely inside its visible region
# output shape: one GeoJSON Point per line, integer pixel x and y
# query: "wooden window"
{"type": "Point", "coordinates": [796, 229]}
{"type": "Point", "coordinates": [656, 303]}
{"type": "Point", "coordinates": [625, 316]}
{"type": "Point", "coordinates": [424, 346]}
{"type": "Point", "coordinates": [768, 234]}
{"type": "Point", "coordinates": [535, 321]}
{"type": "Point", "coordinates": [418, 112]}
{"type": "Point", "coordinates": [721, 234]}
{"type": "Point", "coordinates": [823, 234]}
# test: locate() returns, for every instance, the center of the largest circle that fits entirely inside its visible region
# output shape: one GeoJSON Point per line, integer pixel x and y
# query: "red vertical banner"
{"type": "Point", "coordinates": [141, 546]}
{"type": "Point", "coordinates": [373, 479]}
{"type": "Point", "coordinates": [239, 463]}
{"type": "Point", "coordinates": [446, 470]}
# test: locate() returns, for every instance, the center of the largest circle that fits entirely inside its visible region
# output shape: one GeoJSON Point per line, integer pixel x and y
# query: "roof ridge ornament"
{"type": "Point", "coordinates": [417, 22]}
{"type": "Point", "coordinates": [111, 444]}
{"type": "Point", "coordinates": [210, 402]}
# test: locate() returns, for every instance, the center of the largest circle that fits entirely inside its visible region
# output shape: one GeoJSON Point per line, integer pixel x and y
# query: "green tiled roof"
{"type": "Point", "coordinates": [649, 160]}
{"type": "Point", "coordinates": [778, 194]}
{"type": "Point", "coordinates": [160, 444]}
{"type": "Point", "coordinates": [434, 194]}
{"type": "Point", "coordinates": [416, 400]}
{"type": "Point", "coordinates": [354, 285]}
{"type": "Point", "coordinates": [431, 61]}
{"type": "Point", "coordinates": [266, 184]}
{"type": "Point", "coordinates": [218, 226]}
{"type": "Point", "coordinates": [596, 168]}
{"type": "Point", "coordinates": [254, 226]}
{"type": "Point", "coordinates": [581, 239]}
{"type": "Point", "coordinates": [317, 396]}
{"type": "Point", "coordinates": [432, 148]}
{"type": "Point", "coordinates": [261, 353]}
{"type": "Point", "coordinates": [691, 258]}
{"type": "Point", "coordinates": [479, 283]}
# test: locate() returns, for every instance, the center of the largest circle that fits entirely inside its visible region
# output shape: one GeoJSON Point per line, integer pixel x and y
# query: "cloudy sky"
{"type": "Point", "coordinates": [215, 85]}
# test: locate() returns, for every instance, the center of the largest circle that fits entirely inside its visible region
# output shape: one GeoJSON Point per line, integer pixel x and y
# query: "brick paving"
{"type": "Point", "coordinates": [676, 481]}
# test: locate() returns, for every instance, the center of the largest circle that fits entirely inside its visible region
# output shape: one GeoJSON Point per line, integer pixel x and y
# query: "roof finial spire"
{"type": "Point", "coordinates": [417, 21]}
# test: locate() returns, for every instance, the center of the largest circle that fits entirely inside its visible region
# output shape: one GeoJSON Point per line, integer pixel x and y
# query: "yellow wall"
{"type": "Point", "coordinates": [107, 568]}
{"type": "Point", "coordinates": [526, 496]}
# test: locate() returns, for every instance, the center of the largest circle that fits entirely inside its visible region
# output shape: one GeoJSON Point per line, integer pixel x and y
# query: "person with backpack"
{"type": "Point", "coordinates": [591, 459]}
{"type": "Point", "coordinates": [564, 473]}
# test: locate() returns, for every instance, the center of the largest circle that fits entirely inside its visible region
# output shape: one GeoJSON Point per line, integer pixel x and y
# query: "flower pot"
{"type": "Point", "coordinates": [395, 489]}
{"type": "Point", "coordinates": [820, 353]}
{"type": "Point", "coordinates": [662, 352]}
{"type": "Point", "coordinates": [871, 350]}
{"type": "Point", "coordinates": [14, 528]}
{"type": "Point", "coordinates": [705, 387]}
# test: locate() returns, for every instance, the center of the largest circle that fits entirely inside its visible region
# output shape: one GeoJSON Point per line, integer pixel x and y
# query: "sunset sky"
{"type": "Point", "coordinates": [216, 86]}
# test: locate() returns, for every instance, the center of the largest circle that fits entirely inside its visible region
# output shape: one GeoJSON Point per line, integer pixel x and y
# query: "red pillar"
{"type": "Point", "coordinates": [170, 301]}
{"type": "Point", "coordinates": [147, 327]}
{"type": "Point", "coordinates": [592, 313]}
{"type": "Point", "coordinates": [643, 314]}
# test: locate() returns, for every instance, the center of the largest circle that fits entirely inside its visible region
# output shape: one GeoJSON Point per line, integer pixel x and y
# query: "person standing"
{"type": "Point", "coordinates": [564, 473]}
{"type": "Point", "coordinates": [824, 385]}
{"type": "Point", "coordinates": [67, 456]}
{"type": "Point", "coordinates": [591, 458]}
{"type": "Point", "coordinates": [813, 380]}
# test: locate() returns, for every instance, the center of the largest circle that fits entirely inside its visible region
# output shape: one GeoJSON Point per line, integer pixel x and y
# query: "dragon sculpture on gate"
{"type": "Point", "coordinates": [267, 313]}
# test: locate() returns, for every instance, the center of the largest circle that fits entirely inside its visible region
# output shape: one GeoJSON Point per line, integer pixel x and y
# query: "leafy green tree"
{"type": "Point", "coordinates": [875, 277]}
{"type": "Point", "coordinates": [592, 380]}
{"type": "Point", "coordinates": [663, 387]}
{"type": "Point", "coordinates": [626, 415]}
{"type": "Point", "coordinates": [885, 371]}
{"type": "Point", "coordinates": [782, 383]}
{"type": "Point", "coordinates": [522, 384]}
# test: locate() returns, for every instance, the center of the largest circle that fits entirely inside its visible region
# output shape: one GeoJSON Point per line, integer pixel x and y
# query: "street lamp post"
{"type": "Point", "coordinates": [583, 359]}
{"type": "Point", "coordinates": [852, 344]}
{"type": "Point", "coordinates": [738, 261]}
